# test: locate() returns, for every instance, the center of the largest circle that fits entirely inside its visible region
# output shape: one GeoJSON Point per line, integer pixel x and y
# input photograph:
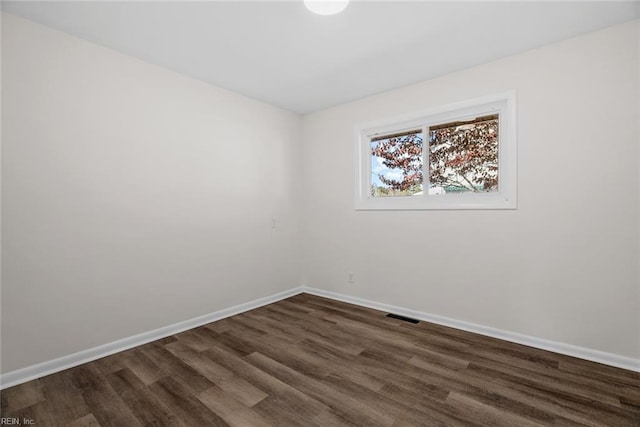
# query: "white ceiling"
{"type": "Point", "coordinates": [281, 53]}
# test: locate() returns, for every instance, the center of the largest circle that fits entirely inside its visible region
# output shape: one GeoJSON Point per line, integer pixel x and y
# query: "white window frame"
{"type": "Point", "coordinates": [503, 104]}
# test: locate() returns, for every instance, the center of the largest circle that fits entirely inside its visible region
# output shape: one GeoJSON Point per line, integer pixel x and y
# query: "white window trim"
{"type": "Point", "coordinates": [506, 197]}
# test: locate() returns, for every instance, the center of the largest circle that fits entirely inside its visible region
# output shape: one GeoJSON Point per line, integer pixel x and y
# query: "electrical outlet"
{"type": "Point", "coordinates": [350, 278]}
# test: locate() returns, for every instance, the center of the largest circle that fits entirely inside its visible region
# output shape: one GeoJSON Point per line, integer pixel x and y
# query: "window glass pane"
{"type": "Point", "coordinates": [463, 156]}
{"type": "Point", "coordinates": [396, 164]}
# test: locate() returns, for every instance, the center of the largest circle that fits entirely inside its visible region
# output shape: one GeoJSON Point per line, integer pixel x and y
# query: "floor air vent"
{"type": "Point", "coordinates": [406, 319]}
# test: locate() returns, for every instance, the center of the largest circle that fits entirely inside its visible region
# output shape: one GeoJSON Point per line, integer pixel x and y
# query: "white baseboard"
{"type": "Point", "coordinates": [41, 369]}
{"type": "Point", "coordinates": [557, 347]}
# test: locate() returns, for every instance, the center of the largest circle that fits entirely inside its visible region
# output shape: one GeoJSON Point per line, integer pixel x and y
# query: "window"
{"type": "Point", "coordinates": [460, 156]}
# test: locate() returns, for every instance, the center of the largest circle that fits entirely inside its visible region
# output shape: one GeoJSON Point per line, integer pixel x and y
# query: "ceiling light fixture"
{"type": "Point", "coordinates": [326, 7]}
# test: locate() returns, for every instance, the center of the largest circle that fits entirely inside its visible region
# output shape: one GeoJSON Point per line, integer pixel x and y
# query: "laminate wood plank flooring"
{"type": "Point", "coordinates": [312, 361]}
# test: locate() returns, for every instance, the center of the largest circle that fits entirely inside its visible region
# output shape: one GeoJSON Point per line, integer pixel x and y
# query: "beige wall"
{"type": "Point", "coordinates": [133, 197]}
{"type": "Point", "coordinates": [564, 266]}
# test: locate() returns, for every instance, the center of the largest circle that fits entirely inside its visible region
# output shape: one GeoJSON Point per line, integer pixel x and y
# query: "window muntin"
{"type": "Point", "coordinates": [468, 158]}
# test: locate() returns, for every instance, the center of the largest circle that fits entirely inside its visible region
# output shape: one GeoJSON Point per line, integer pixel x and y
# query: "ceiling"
{"type": "Point", "coordinates": [281, 53]}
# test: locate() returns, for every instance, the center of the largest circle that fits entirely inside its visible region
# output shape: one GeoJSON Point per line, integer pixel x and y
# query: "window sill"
{"type": "Point", "coordinates": [451, 202]}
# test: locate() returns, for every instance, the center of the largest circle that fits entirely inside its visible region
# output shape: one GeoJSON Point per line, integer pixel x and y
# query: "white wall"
{"type": "Point", "coordinates": [564, 266]}
{"type": "Point", "coordinates": [133, 197]}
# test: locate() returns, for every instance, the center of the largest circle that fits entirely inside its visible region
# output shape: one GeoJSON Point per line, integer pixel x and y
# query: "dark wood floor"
{"type": "Point", "coordinates": [313, 361]}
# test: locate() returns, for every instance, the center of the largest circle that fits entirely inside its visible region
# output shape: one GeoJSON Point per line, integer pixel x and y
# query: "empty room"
{"type": "Point", "coordinates": [320, 213]}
